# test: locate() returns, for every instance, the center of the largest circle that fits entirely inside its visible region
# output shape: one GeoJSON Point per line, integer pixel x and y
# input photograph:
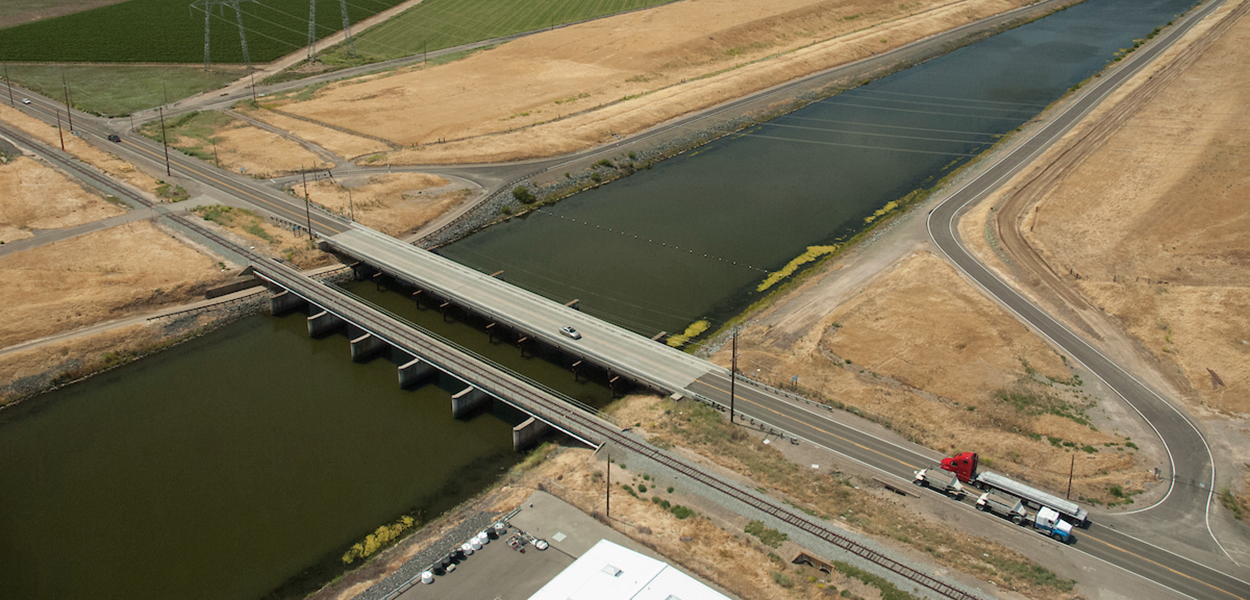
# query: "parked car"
{"type": "Point", "coordinates": [113, 137]}
{"type": "Point", "coordinates": [570, 332]}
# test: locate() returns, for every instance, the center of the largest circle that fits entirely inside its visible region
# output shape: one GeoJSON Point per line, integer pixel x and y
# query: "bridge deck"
{"type": "Point", "coordinates": [610, 346]}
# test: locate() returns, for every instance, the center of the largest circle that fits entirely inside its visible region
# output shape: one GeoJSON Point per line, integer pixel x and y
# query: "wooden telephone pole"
{"type": "Point", "coordinates": [733, 376]}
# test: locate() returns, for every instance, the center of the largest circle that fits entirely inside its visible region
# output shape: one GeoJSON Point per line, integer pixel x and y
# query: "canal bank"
{"type": "Point", "coordinates": [696, 238]}
{"type": "Point", "coordinates": [642, 152]}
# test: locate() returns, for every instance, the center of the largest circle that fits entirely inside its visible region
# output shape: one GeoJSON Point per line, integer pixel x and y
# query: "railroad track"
{"type": "Point", "coordinates": [547, 404]}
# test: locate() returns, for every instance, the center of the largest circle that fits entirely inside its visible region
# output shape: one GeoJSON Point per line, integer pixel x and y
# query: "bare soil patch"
{"type": "Point", "coordinates": [99, 276]}
{"type": "Point", "coordinates": [923, 353]}
{"type": "Point", "coordinates": [107, 162]}
{"type": "Point", "coordinates": [37, 196]}
{"type": "Point", "coordinates": [584, 85]}
{"type": "Point", "coordinates": [1142, 213]}
{"type": "Point", "coordinates": [395, 204]}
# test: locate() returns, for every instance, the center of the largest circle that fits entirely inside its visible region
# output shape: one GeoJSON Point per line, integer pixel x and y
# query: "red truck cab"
{"type": "Point", "coordinates": [963, 465]}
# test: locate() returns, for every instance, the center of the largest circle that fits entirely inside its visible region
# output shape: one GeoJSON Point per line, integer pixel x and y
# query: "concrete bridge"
{"type": "Point", "coordinates": [421, 355]}
{"type": "Point", "coordinates": [623, 353]}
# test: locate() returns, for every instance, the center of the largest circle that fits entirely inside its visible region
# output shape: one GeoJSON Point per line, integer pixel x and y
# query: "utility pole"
{"type": "Point", "coordinates": [216, 157]}
{"type": "Point", "coordinates": [164, 140]}
{"type": "Point", "coordinates": [68, 114]}
{"type": "Point", "coordinates": [253, 76]}
{"type": "Point", "coordinates": [607, 512]}
{"type": "Point", "coordinates": [425, 56]}
{"type": "Point", "coordinates": [307, 202]}
{"type": "Point", "coordinates": [1071, 470]}
{"type": "Point", "coordinates": [165, 91]}
{"type": "Point", "coordinates": [733, 376]}
{"type": "Point", "coordinates": [350, 206]}
{"type": "Point", "coordinates": [58, 130]}
{"type": "Point", "coordinates": [10, 84]}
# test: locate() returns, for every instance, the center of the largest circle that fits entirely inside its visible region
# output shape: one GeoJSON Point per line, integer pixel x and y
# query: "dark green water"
{"type": "Point", "coordinates": [222, 468]}
{"type": "Point", "coordinates": [656, 251]}
{"type": "Point", "coordinates": [238, 461]}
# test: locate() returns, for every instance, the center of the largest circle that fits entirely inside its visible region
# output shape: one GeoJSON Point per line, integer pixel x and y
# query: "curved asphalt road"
{"type": "Point", "coordinates": [1185, 508]}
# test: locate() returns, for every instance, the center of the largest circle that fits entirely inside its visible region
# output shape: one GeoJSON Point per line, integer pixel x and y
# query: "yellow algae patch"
{"type": "Point", "coordinates": [378, 539]}
{"type": "Point", "coordinates": [691, 332]}
{"type": "Point", "coordinates": [883, 211]}
{"type": "Point", "coordinates": [813, 253]}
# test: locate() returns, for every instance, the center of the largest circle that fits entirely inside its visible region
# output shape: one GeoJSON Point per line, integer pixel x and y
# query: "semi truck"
{"type": "Point", "coordinates": [1047, 521]}
{"type": "Point", "coordinates": [947, 484]}
{"type": "Point", "coordinates": [964, 466]}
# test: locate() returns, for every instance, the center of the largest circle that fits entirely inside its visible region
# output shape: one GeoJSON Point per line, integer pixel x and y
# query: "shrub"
{"type": "Point", "coordinates": [681, 512]}
{"type": "Point", "coordinates": [523, 194]}
{"type": "Point", "coordinates": [770, 537]}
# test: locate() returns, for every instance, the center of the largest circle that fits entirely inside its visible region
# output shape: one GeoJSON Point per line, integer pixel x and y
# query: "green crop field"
{"type": "Point", "coordinates": [437, 24]}
{"type": "Point", "coordinates": [169, 31]}
{"type": "Point", "coordinates": [114, 91]}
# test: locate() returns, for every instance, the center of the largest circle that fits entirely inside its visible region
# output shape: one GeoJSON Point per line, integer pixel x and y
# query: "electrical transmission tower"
{"type": "Point", "coordinates": [207, 6]}
{"type": "Point", "coordinates": [347, 29]}
{"type": "Point", "coordinates": [312, 30]}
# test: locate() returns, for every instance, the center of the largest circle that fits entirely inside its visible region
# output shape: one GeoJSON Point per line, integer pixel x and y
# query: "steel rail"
{"type": "Point", "coordinates": [506, 385]}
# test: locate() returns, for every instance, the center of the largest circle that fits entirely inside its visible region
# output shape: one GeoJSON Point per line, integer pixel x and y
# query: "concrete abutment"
{"type": "Point", "coordinates": [284, 302]}
{"type": "Point", "coordinates": [529, 433]}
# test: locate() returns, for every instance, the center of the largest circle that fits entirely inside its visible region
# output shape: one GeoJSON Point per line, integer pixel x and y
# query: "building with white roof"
{"type": "Point", "coordinates": [611, 572]}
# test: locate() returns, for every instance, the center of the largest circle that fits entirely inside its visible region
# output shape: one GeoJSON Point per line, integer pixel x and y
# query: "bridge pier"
{"type": "Point", "coordinates": [414, 372]}
{"type": "Point", "coordinates": [366, 347]}
{"type": "Point", "coordinates": [323, 323]}
{"type": "Point", "coordinates": [468, 400]}
{"type": "Point", "coordinates": [528, 433]}
{"type": "Point", "coordinates": [284, 302]}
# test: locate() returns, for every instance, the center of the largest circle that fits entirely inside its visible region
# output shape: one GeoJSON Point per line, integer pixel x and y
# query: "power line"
{"type": "Point", "coordinates": [869, 124]}
{"type": "Point", "coordinates": [863, 90]}
{"type": "Point", "coordinates": [888, 135]}
{"type": "Point", "coordinates": [882, 148]}
{"type": "Point", "coordinates": [850, 94]}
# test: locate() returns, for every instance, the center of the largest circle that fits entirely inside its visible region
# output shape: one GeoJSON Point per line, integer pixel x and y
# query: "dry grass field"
{"type": "Point", "coordinates": [584, 85]}
{"type": "Point", "coordinates": [96, 277]}
{"type": "Point", "coordinates": [37, 196]}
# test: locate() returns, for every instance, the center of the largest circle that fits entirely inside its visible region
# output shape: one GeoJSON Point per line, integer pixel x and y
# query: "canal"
{"type": "Point", "coordinates": [695, 237]}
{"type": "Point", "coordinates": [249, 459]}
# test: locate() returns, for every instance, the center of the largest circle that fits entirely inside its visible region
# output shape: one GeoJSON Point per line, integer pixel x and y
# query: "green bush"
{"type": "Point", "coordinates": [770, 537]}
{"type": "Point", "coordinates": [681, 512]}
{"type": "Point", "coordinates": [523, 194]}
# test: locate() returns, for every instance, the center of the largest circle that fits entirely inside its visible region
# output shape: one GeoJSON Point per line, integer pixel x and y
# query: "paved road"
{"type": "Point", "coordinates": [814, 424]}
{"type": "Point", "coordinates": [659, 366]}
{"type": "Point", "coordinates": [1183, 513]}
{"type": "Point", "coordinates": [650, 362]}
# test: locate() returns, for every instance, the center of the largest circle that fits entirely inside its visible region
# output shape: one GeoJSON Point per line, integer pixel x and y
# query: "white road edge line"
{"type": "Point", "coordinates": [1097, 88]}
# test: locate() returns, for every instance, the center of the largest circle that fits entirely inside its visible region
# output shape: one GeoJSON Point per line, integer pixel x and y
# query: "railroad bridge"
{"type": "Point", "coordinates": [373, 331]}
